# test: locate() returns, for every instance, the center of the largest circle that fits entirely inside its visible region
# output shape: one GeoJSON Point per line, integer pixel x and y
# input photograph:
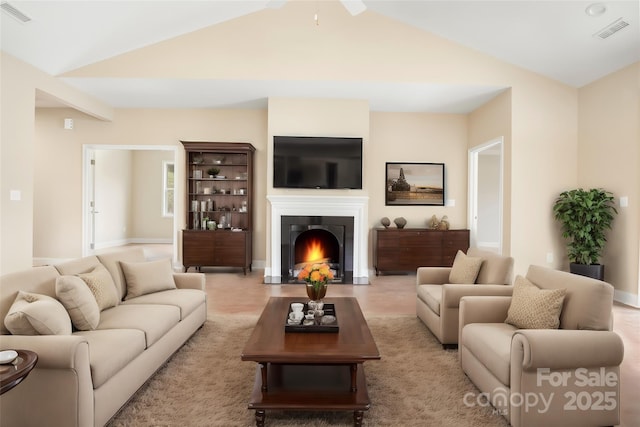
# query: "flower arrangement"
{"type": "Point", "coordinates": [316, 274]}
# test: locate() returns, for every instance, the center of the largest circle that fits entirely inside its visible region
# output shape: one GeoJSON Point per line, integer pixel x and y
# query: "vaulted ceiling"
{"type": "Point", "coordinates": [574, 42]}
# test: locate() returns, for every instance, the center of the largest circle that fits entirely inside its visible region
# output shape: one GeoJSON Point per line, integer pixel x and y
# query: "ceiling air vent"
{"type": "Point", "coordinates": [612, 28]}
{"type": "Point", "coordinates": [11, 10]}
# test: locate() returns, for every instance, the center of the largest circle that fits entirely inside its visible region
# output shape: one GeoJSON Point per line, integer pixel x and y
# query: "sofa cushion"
{"type": "Point", "coordinates": [490, 343]}
{"type": "Point", "coordinates": [112, 262]}
{"type": "Point", "coordinates": [185, 299]}
{"type": "Point", "coordinates": [77, 266]}
{"type": "Point", "coordinates": [465, 268]}
{"type": "Point", "coordinates": [101, 285]}
{"type": "Point", "coordinates": [588, 302]}
{"type": "Point", "coordinates": [77, 298]}
{"type": "Point", "coordinates": [147, 277]}
{"type": "Point", "coordinates": [495, 268]}
{"type": "Point", "coordinates": [153, 320]}
{"type": "Point", "coordinates": [39, 280]}
{"type": "Point", "coordinates": [110, 350]}
{"type": "Point", "coordinates": [432, 296]}
{"type": "Point", "coordinates": [35, 314]}
{"type": "Point", "coordinates": [534, 308]}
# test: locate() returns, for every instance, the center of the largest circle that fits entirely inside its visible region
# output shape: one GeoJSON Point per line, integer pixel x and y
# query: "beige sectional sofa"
{"type": "Point", "coordinates": [561, 370]}
{"type": "Point", "coordinates": [84, 377]}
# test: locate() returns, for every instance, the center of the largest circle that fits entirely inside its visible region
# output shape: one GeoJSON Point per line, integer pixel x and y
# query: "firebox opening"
{"type": "Point", "coordinates": [316, 246]}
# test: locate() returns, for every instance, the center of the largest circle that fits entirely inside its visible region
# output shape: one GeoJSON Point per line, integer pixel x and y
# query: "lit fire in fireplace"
{"type": "Point", "coordinates": [313, 252]}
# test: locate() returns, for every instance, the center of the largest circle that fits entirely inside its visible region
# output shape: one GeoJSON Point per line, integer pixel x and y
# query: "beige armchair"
{"type": "Point", "coordinates": [545, 377]}
{"type": "Point", "coordinates": [438, 300]}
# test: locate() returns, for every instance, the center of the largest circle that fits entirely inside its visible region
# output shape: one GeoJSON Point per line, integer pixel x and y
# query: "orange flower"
{"type": "Point", "coordinates": [316, 274]}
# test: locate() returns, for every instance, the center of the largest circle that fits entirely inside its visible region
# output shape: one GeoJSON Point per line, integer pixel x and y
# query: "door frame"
{"type": "Point", "coordinates": [472, 212]}
{"type": "Point", "coordinates": [88, 186]}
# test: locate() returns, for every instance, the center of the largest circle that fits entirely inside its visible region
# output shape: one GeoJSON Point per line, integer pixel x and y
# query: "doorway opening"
{"type": "Point", "coordinates": [110, 211]}
{"type": "Point", "coordinates": [486, 176]}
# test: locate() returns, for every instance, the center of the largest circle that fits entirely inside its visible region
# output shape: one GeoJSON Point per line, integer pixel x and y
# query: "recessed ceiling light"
{"type": "Point", "coordinates": [596, 9]}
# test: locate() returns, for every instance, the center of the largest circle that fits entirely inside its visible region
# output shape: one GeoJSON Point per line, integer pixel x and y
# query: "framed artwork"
{"type": "Point", "coordinates": [414, 184]}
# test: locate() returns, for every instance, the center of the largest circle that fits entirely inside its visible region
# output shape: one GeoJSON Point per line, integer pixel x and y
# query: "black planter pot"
{"type": "Point", "coordinates": [595, 271]}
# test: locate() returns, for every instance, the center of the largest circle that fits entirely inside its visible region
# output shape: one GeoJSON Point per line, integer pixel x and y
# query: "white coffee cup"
{"type": "Point", "coordinates": [296, 315]}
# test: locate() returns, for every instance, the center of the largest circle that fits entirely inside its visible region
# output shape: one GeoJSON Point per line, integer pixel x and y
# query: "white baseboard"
{"type": "Point", "coordinates": [111, 244]}
{"type": "Point", "coordinates": [147, 241]}
{"type": "Point", "coordinates": [626, 298]}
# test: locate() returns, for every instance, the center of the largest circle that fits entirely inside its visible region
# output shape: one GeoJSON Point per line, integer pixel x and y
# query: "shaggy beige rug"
{"type": "Point", "coordinates": [205, 383]}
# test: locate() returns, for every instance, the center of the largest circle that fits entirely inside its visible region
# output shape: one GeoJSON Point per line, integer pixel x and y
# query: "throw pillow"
{"type": "Point", "coordinates": [77, 298]}
{"type": "Point", "coordinates": [147, 277]}
{"type": "Point", "coordinates": [102, 287]}
{"type": "Point", "coordinates": [464, 269]}
{"type": "Point", "coordinates": [534, 308]}
{"type": "Point", "coordinates": [35, 314]}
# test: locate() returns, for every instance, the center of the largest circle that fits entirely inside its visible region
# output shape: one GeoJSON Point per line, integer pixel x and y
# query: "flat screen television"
{"type": "Point", "coordinates": [317, 162]}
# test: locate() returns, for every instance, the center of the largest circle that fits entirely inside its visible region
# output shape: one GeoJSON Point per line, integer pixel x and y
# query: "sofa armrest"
{"type": "Point", "coordinates": [59, 390]}
{"type": "Point", "coordinates": [566, 349]}
{"type": "Point", "coordinates": [452, 293]}
{"type": "Point", "coordinates": [189, 280]}
{"type": "Point", "coordinates": [54, 351]}
{"type": "Point", "coordinates": [483, 309]}
{"type": "Point", "coordinates": [432, 275]}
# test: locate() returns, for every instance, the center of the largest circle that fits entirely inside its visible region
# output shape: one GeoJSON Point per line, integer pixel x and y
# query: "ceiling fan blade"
{"type": "Point", "coordinates": [354, 7]}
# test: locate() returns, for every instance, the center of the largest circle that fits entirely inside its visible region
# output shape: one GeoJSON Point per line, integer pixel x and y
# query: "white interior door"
{"type": "Point", "coordinates": [89, 203]}
{"type": "Point", "coordinates": [486, 195]}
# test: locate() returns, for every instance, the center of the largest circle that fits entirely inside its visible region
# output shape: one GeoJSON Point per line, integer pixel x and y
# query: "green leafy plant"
{"type": "Point", "coordinates": [213, 171]}
{"type": "Point", "coordinates": [585, 216]}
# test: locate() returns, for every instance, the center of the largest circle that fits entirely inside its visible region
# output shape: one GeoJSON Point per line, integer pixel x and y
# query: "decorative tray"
{"type": "Point", "coordinates": [325, 323]}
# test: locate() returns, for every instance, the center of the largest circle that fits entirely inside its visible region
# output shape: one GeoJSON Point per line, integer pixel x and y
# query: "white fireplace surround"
{"type": "Point", "coordinates": [350, 206]}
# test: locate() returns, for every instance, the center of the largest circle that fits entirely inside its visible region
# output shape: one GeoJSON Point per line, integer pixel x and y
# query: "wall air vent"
{"type": "Point", "coordinates": [15, 13]}
{"type": "Point", "coordinates": [611, 29]}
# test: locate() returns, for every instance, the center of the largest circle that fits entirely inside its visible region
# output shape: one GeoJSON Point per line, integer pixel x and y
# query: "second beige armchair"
{"type": "Point", "coordinates": [437, 302]}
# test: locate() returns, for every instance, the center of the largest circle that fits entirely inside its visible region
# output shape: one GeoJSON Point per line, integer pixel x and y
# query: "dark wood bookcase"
{"type": "Point", "coordinates": [219, 205]}
{"type": "Point", "coordinates": [406, 249]}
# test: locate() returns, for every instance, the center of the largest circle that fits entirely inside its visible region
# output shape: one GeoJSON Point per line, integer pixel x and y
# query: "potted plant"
{"type": "Point", "coordinates": [585, 216]}
{"type": "Point", "coordinates": [212, 172]}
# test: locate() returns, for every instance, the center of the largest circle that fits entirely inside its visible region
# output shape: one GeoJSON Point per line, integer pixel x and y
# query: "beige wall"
{"type": "Point", "coordinates": [132, 127]}
{"type": "Point", "coordinates": [489, 122]}
{"type": "Point", "coordinates": [609, 158]}
{"type": "Point", "coordinates": [19, 83]}
{"type": "Point", "coordinates": [538, 116]}
{"type": "Point", "coordinates": [147, 221]}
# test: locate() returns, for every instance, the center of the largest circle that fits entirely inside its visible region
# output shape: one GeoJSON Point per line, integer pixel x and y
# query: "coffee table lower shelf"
{"type": "Point", "coordinates": [303, 387]}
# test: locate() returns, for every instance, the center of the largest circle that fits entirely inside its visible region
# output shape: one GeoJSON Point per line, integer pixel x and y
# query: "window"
{"type": "Point", "coordinates": [167, 188]}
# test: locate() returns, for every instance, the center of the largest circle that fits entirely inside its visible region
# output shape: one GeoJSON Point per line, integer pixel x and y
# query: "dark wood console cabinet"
{"type": "Point", "coordinates": [406, 249]}
{"type": "Point", "coordinates": [219, 205]}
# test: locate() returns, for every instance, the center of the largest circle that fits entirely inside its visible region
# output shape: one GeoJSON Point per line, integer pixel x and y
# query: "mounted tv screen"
{"type": "Point", "coordinates": [317, 162]}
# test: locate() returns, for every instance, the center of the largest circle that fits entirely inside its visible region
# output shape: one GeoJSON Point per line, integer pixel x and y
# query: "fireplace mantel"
{"type": "Point", "coordinates": [354, 206]}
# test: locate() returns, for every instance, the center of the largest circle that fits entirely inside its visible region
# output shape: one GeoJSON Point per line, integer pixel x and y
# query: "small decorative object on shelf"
{"type": "Point", "coordinates": [212, 172]}
{"type": "Point", "coordinates": [400, 222]}
{"type": "Point", "coordinates": [444, 223]}
{"type": "Point", "coordinates": [433, 223]}
{"type": "Point", "coordinates": [385, 222]}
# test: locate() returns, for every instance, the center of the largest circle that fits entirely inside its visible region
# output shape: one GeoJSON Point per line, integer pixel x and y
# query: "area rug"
{"type": "Point", "coordinates": [205, 383]}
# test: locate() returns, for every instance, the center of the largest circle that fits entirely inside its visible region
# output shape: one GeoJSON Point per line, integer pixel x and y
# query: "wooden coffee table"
{"type": "Point", "coordinates": [310, 371]}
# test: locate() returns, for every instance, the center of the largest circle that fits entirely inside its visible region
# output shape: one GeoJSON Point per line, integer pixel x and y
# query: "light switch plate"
{"type": "Point", "coordinates": [624, 201]}
{"type": "Point", "coordinates": [15, 195]}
